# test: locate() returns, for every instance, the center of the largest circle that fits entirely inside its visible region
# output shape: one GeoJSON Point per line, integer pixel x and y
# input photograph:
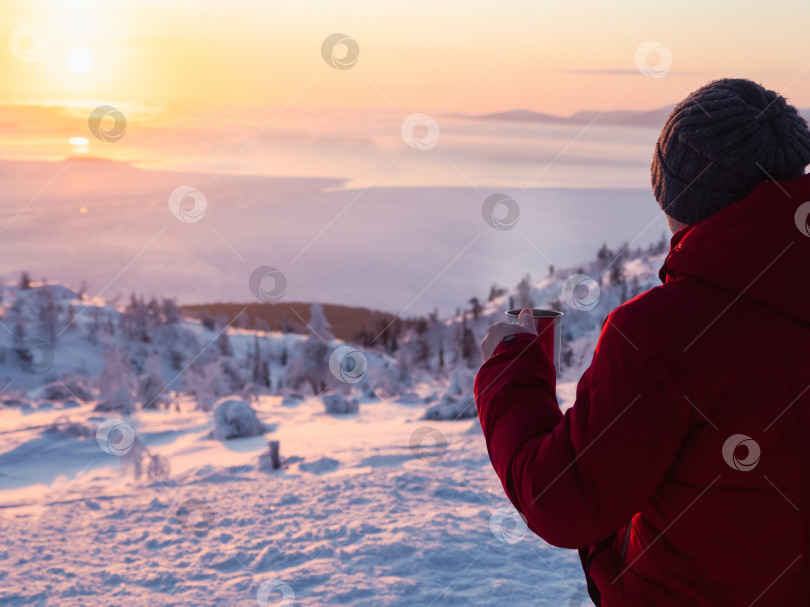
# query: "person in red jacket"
{"type": "Point", "coordinates": [682, 471]}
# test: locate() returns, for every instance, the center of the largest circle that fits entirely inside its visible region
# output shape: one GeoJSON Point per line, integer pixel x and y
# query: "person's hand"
{"type": "Point", "coordinates": [500, 330]}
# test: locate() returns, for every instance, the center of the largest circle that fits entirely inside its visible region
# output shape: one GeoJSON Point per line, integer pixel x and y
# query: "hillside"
{"type": "Point", "coordinates": [347, 321]}
{"type": "Point", "coordinates": [116, 485]}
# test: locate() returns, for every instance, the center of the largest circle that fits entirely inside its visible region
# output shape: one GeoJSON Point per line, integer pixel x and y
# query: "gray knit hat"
{"type": "Point", "coordinates": [722, 140]}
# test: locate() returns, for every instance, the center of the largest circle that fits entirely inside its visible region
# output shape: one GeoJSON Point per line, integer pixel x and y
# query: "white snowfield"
{"type": "Point", "coordinates": [377, 507]}
{"type": "Point", "coordinates": [362, 518]}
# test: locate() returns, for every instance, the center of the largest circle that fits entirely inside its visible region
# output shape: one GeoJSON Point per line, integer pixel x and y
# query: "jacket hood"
{"type": "Point", "coordinates": [758, 247]}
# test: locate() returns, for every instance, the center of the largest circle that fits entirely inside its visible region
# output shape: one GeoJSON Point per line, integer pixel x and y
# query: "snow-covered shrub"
{"type": "Point", "coordinates": [452, 408]}
{"type": "Point", "coordinates": [62, 426]}
{"type": "Point", "coordinates": [367, 390]}
{"type": "Point", "coordinates": [408, 398]}
{"type": "Point", "coordinates": [15, 402]}
{"type": "Point", "coordinates": [292, 400]}
{"type": "Point", "coordinates": [337, 403]}
{"type": "Point", "coordinates": [458, 401]}
{"type": "Point", "coordinates": [64, 390]}
{"type": "Point", "coordinates": [235, 418]}
{"type": "Point", "coordinates": [386, 379]}
{"type": "Point", "coordinates": [320, 466]}
{"type": "Point", "coordinates": [139, 461]}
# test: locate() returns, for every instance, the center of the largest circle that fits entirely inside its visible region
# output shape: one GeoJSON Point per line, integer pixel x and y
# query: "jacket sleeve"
{"type": "Point", "coordinates": [579, 477]}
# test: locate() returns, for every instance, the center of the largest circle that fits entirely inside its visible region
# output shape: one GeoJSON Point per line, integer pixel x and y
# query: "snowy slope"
{"type": "Point", "coordinates": [378, 507]}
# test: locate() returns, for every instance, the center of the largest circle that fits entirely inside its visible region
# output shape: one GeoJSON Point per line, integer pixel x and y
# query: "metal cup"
{"type": "Point", "coordinates": [549, 331]}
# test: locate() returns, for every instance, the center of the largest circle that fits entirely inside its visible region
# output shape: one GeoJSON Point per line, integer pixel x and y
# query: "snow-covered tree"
{"type": "Point", "coordinates": [152, 392]}
{"type": "Point", "coordinates": [524, 293]}
{"type": "Point", "coordinates": [468, 346]}
{"type": "Point", "coordinates": [259, 365]}
{"type": "Point", "coordinates": [475, 307]}
{"type": "Point", "coordinates": [117, 383]}
{"type": "Point", "coordinates": [437, 338]}
{"type": "Point", "coordinates": [311, 365]}
{"type": "Point", "coordinates": [224, 343]}
{"type": "Point", "coordinates": [495, 291]}
{"type": "Point", "coordinates": [170, 311]}
{"type": "Point", "coordinates": [135, 321]}
{"type": "Point", "coordinates": [207, 383]}
{"type": "Point", "coordinates": [48, 314]}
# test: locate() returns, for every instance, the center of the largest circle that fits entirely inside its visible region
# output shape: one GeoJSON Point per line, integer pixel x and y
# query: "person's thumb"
{"type": "Point", "coordinates": [526, 319]}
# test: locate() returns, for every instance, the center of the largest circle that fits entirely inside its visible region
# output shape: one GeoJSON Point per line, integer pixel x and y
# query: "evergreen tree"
{"type": "Point", "coordinates": [524, 293]}
{"type": "Point", "coordinates": [475, 307]}
{"type": "Point", "coordinates": [495, 291]}
{"type": "Point", "coordinates": [224, 344]}
{"type": "Point", "coordinates": [48, 314]}
{"type": "Point", "coordinates": [469, 349]}
{"type": "Point", "coordinates": [260, 367]}
{"type": "Point", "coordinates": [437, 334]}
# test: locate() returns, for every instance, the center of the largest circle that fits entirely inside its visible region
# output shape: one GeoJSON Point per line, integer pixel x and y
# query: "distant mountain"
{"type": "Point", "coordinates": [636, 118]}
{"type": "Point", "coordinates": [652, 118]}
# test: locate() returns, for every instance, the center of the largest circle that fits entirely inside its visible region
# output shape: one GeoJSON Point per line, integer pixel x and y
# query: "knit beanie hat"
{"type": "Point", "coordinates": [720, 142]}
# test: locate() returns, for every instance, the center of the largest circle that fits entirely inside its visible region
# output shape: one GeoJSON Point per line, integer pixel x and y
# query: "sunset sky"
{"type": "Point", "coordinates": [213, 90]}
{"type": "Point", "coordinates": [452, 56]}
{"type": "Point", "coordinates": [243, 86]}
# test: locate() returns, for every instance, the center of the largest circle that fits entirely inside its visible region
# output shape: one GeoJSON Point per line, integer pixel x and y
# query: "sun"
{"type": "Point", "coordinates": [80, 60]}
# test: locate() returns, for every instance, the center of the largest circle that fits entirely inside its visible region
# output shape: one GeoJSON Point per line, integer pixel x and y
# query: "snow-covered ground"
{"type": "Point", "coordinates": [379, 507]}
{"type": "Point", "coordinates": [360, 517]}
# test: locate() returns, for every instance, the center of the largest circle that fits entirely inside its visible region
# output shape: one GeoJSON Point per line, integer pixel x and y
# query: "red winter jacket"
{"type": "Point", "coordinates": [684, 464]}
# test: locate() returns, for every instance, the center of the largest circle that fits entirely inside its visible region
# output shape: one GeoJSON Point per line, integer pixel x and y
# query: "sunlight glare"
{"type": "Point", "coordinates": [80, 60]}
{"type": "Point", "coordinates": [79, 144]}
